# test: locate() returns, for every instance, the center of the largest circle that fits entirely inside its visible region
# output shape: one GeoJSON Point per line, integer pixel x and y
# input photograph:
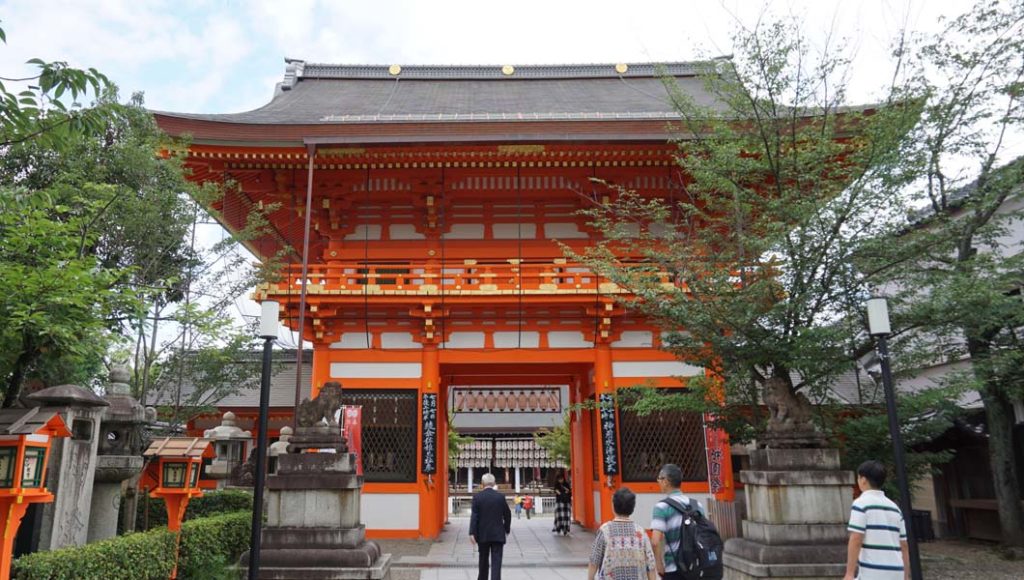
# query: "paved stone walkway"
{"type": "Point", "coordinates": [531, 552]}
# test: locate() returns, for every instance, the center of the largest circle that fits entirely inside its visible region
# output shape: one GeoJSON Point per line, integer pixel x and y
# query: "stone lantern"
{"type": "Point", "coordinates": [229, 444]}
{"type": "Point", "coordinates": [65, 521]}
{"type": "Point", "coordinates": [120, 454]}
{"type": "Point", "coordinates": [279, 448]}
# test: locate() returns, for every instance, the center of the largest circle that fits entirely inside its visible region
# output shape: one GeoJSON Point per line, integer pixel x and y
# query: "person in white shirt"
{"type": "Point", "coordinates": [878, 535]}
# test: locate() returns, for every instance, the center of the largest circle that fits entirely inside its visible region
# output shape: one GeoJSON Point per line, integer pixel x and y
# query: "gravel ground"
{"type": "Point", "coordinates": [399, 548]}
{"type": "Point", "coordinates": [957, 560]}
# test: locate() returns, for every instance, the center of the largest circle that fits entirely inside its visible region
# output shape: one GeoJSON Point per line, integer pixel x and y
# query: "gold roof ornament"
{"type": "Point", "coordinates": [621, 68]}
{"type": "Point", "coordinates": [395, 70]}
{"type": "Point", "coordinates": [508, 69]}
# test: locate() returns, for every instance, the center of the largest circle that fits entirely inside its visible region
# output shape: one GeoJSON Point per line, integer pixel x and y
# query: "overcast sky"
{"type": "Point", "coordinates": [224, 56]}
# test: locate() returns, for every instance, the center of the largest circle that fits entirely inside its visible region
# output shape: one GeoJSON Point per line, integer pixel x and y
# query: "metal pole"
{"type": "Point", "coordinates": [311, 152]}
{"type": "Point", "coordinates": [261, 462]}
{"type": "Point", "coordinates": [901, 466]}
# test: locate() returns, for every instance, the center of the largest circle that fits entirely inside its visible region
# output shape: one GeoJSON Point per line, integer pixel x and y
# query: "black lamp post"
{"type": "Point", "coordinates": [268, 331]}
{"type": "Point", "coordinates": [878, 326]}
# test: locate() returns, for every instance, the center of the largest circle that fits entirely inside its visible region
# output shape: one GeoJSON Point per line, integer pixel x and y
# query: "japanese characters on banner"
{"type": "Point", "coordinates": [352, 429]}
{"type": "Point", "coordinates": [717, 446]}
{"type": "Point", "coordinates": [428, 437]}
{"type": "Point", "coordinates": [609, 440]}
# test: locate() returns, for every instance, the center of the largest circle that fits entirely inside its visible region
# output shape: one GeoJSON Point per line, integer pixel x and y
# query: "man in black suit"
{"type": "Point", "coordinates": [490, 521]}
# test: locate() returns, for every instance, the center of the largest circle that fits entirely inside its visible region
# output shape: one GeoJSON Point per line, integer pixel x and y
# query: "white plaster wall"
{"type": "Point", "coordinates": [597, 507]}
{"type": "Point", "coordinates": [391, 511]}
{"type": "Point", "coordinates": [514, 231]}
{"type": "Point", "coordinates": [568, 339]}
{"type": "Point", "coordinates": [365, 232]}
{"type": "Point", "coordinates": [465, 232]}
{"type": "Point", "coordinates": [362, 370]}
{"type": "Point", "coordinates": [465, 340]}
{"type": "Point", "coordinates": [398, 340]}
{"type": "Point", "coordinates": [563, 231]}
{"type": "Point", "coordinates": [635, 339]}
{"type": "Point", "coordinates": [655, 368]}
{"type": "Point", "coordinates": [529, 339]}
{"type": "Point", "coordinates": [645, 505]}
{"type": "Point", "coordinates": [404, 232]}
{"type": "Point", "coordinates": [352, 340]}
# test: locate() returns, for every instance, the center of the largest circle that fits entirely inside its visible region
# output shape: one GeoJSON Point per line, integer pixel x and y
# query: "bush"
{"type": "Point", "coordinates": [207, 547]}
{"type": "Point", "coordinates": [211, 504]}
{"type": "Point", "coordinates": [142, 556]}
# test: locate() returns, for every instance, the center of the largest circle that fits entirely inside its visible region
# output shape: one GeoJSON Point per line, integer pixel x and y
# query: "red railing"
{"type": "Point", "coordinates": [468, 278]}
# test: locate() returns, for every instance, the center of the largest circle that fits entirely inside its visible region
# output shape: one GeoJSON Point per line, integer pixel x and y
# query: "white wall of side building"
{"type": "Point", "coordinates": [391, 511]}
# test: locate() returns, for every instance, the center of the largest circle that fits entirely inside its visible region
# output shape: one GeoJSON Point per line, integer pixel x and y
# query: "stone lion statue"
{"type": "Point", "coordinates": [322, 408]}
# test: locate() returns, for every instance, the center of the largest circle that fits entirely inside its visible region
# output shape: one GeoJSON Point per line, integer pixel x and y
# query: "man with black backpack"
{"type": "Point", "coordinates": [686, 544]}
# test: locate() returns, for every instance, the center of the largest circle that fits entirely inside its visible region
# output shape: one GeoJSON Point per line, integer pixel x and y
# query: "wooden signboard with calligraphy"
{"type": "Point", "coordinates": [609, 436]}
{"type": "Point", "coordinates": [717, 446]}
{"type": "Point", "coordinates": [428, 434]}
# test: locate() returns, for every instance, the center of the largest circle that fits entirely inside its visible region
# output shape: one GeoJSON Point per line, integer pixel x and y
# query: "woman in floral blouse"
{"type": "Point", "coordinates": [622, 550]}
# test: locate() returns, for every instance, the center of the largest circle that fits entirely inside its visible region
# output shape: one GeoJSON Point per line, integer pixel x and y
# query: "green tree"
{"type": "Point", "coordinates": [752, 261]}
{"type": "Point", "coordinates": [55, 299]}
{"type": "Point", "coordinates": [456, 442]}
{"type": "Point", "coordinates": [134, 214]}
{"type": "Point", "coordinates": [557, 441]}
{"type": "Point", "coordinates": [48, 109]}
{"type": "Point", "coordinates": [962, 292]}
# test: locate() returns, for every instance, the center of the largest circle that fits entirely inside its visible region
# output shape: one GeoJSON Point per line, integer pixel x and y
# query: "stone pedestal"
{"type": "Point", "coordinates": [313, 529]}
{"type": "Point", "coordinates": [798, 503]}
{"type": "Point", "coordinates": [111, 472]}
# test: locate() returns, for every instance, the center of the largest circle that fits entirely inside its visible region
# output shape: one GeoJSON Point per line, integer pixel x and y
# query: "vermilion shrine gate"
{"type": "Point", "coordinates": [438, 194]}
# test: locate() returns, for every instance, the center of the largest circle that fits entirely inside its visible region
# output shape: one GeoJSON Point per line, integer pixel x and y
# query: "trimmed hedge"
{"type": "Point", "coordinates": [211, 504]}
{"type": "Point", "coordinates": [145, 556]}
{"type": "Point", "coordinates": [208, 546]}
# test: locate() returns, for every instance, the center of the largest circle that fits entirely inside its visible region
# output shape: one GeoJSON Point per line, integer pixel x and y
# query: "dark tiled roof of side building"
{"type": "Point", "coordinates": [333, 94]}
{"type": "Point", "coordinates": [282, 384]}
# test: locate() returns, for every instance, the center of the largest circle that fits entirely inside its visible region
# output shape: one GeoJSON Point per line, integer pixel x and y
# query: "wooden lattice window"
{"type": "Point", "coordinates": [647, 442]}
{"type": "Point", "coordinates": [390, 435]}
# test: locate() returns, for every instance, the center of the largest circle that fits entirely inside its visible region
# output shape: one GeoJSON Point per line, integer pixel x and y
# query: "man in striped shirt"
{"type": "Point", "coordinates": [878, 537]}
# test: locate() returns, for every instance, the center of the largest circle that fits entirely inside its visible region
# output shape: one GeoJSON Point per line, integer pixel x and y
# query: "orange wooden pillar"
{"type": "Point", "coordinates": [430, 485]}
{"type": "Point", "coordinates": [604, 384]}
{"type": "Point", "coordinates": [321, 367]}
{"type": "Point", "coordinates": [582, 459]}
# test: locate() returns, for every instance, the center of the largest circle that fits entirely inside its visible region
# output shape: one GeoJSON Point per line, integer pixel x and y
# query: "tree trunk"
{"type": "Point", "coordinates": [1000, 418]}
{"type": "Point", "coordinates": [17, 377]}
{"type": "Point", "coordinates": [999, 414]}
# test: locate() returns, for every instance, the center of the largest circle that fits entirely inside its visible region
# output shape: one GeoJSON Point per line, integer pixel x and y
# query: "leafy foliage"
{"type": "Point", "coordinates": [557, 441]}
{"type": "Point", "coordinates": [49, 110]}
{"type": "Point", "coordinates": [866, 435]}
{"type": "Point", "coordinates": [210, 544]}
{"type": "Point", "coordinates": [959, 298]}
{"type": "Point", "coordinates": [752, 259]}
{"type": "Point", "coordinates": [212, 503]}
{"type": "Point", "coordinates": [456, 442]}
{"type": "Point", "coordinates": [142, 556]}
{"type": "Point", "coordinates": [206, 547]}
{"type": "Point", "coordinates": [55, 299]}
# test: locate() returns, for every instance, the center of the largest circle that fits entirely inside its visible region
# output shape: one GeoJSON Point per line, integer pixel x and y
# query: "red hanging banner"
{"type": "Point", "coordinates": [353, 432]}
{"type": "Point", "coordinates": [719, 460]}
